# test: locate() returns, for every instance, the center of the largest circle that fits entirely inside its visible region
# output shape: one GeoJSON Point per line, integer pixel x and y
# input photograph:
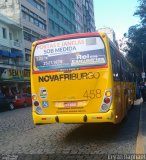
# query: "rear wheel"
{"type": "Point", "coordinates": [11, 106]}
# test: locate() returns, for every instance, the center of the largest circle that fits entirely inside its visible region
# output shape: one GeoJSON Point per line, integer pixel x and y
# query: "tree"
{"type": "Point", "coordinates": [136, 50]}
{"type": "Point", "coordinates": [141, 11]}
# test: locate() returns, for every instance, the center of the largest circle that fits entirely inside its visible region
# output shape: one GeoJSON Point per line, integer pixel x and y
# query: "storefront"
{"type": "Point", "coordinates": [14, 81]}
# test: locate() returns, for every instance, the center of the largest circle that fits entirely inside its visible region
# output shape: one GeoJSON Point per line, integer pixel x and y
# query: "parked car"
{"type": "Point", "coordinates": [28, 100]}
{"type": "Point", "coordinates": [6, 102]}
{"type": "Point", "coordinates": [22, 100]}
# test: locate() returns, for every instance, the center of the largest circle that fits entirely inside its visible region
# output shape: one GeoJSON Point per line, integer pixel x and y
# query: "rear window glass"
{"type": "Point", "coordinates": [71, 53]}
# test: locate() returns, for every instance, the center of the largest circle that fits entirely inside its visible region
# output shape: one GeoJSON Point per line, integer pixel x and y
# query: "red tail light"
{"type": "Point", "coordinates": [36, 103]}
{"type": "Point", "coordinates": [106, 100]}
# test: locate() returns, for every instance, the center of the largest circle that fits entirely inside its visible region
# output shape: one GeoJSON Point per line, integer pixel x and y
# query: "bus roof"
{"type": "Point", "coordinates": [67, 36]}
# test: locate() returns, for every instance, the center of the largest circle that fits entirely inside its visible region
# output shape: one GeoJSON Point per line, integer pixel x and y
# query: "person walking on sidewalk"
{"type": "Point", "coordinates": [138, 90]}
{"type": "Point", "coordinates": [144, 92]}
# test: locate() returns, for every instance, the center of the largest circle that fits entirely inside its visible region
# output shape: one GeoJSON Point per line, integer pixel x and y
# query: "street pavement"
{"type": "Point", "coordinates": [19, 136]}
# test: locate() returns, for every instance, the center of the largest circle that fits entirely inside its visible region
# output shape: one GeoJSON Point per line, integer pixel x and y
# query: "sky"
{"type": "Point", "coordinates": [116, 14]}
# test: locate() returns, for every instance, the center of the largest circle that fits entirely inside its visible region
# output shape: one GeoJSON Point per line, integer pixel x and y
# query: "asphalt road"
{"type": "Point", "coordinates": [18, 135]}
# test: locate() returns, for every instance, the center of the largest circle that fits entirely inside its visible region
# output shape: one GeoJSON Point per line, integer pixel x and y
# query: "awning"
{"type": "Point", "coordinates": [11, 54]}
{"type": "Point", "coordinates": [4, 53]}
{"type": "Point", "coordinates": [0, 52]}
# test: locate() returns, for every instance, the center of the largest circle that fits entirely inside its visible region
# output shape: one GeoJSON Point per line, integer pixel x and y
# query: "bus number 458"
{"type": "Point", "coordinates": [91, 94]}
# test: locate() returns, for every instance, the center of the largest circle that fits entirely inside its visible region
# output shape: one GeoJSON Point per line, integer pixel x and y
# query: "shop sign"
{"type": "Point", "coordinates": [14, 74]}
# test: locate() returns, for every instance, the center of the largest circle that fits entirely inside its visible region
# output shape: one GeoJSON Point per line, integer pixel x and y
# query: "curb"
{"type": "Point", "coordinates": [140, 137]}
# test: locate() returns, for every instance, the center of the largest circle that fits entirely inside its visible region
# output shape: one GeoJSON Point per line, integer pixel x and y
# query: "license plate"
{"type": "Point", "coordinates": [70, 104]}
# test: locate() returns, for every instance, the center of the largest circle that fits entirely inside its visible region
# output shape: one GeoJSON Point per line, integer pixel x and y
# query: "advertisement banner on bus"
{"type": "Point", "coordinates": [70, 53]}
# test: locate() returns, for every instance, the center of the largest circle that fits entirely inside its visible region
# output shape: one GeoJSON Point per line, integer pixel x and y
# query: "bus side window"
{"type": "Point", "coordinates": [115, 65]}
{"type": "Point", "coordinates": [131, 77]}
{"type": "Point", "coordinates": [119, 69]}
{"type": "Point", "coordinates": [113, 62]}
{"type": "Point", "coordinates": [134, 76]}
{"type": "Point", "coordinates": [128, 73]}
{"type": "Point", "coordinates": [123, 77]}
{"type": "Point", "coordinates": [122, 72]}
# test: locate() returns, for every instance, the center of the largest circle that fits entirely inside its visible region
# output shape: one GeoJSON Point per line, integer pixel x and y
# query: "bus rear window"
{"type": "Point", "coordinates": [70, 53]}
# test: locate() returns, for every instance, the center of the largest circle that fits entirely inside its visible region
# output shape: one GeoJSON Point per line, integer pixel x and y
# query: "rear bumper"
{"type": "Point", "coordinates": [75, 118]}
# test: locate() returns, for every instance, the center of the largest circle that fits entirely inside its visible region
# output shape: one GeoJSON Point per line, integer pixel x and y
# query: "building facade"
{"type": "Point", "coordinates": [13, 75]}
{"type": "Point", "coordinates": [61, 14]}
{"type": "Point", "coordinates": [34, 21]}
{"type": "Point", "coordinates": [88, 16]}
{"type": "Point", "coordinates": [37, 19]}
{"type": "Point", "coordinates": [47, 18]}
{"type": "Point", "coordinates": [29, 21]}
{"type": "Point", "coordinates": [70, 16]}
{"type": "Point", "coordinates": [32, 17]}
{"type": "Point", "coordinates": [79, 16]}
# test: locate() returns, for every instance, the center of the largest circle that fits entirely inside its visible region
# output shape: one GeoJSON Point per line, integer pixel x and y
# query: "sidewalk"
{"type": "Point", "coordinates": [141, 137]}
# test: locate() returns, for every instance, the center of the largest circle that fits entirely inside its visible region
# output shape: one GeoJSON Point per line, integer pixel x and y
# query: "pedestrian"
{"type": "Point", "coordinates": [144, 92]}
{"type": "Point", "coordinates": [138, 90]}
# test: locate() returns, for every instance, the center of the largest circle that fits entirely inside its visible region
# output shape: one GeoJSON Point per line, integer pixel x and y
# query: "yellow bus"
{"type": "Point", "coordinates": [80, 78]}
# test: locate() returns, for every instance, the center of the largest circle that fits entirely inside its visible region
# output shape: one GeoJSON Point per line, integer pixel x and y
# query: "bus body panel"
{"type": "Point", "coordinates": [72, 96]}
{"type": "Point", "coordinates": [79, 95]}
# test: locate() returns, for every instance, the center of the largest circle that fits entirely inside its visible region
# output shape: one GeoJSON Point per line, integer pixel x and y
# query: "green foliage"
{"type": "Point", "coordinates": [141, 11]}
{"type": "Point", "coordinates": [136, 45]}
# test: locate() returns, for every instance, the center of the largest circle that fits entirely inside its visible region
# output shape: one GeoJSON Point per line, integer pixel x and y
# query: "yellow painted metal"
{"type": "Point", "coordinates": [71, 100]}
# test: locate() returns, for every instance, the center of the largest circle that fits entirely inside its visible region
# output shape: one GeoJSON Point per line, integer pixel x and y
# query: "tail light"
{"type": "Point", "coordinates": [106, 103]}
{"type": "Point", "coordinates": [36, 103]}
{"type": "Point", "coordinates": [34, 97]}
{"type": "Point", "coordinates": [37, 108]}
{"type": "Point", "coordinates": [106, 100]}
{"type": "Point", "coordinates": [108, 93]}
